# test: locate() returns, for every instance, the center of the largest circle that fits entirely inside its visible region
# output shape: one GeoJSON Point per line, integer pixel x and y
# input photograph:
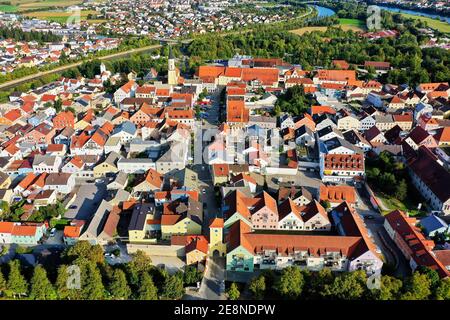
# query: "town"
{"type": "Point", "coordinates": [250, 168]}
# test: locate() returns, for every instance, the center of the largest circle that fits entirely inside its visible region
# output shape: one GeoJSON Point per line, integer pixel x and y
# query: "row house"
{"type": "Point", "coordinates": [431, 179]}
{"type": "Point", "coordinates": [406, 234]}
{"type": "Point", "coordinates": [341, 167]}
{"type": "Point", "coordinates": [249, 251]}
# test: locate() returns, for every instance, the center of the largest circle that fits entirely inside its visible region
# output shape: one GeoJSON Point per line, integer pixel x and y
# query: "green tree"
{"type": "Point", "coordinates": [443, 290]}
{"type": "Point", "coordinates": [66, 289]}
{"type": "Point", "coordinates": [147, 289]}
{"type": "Point", "coordinates": [290, 283]}
{"type": "Point", "coordinates": [191, 276]}
{"type": "Point", "coordinates": [258, 287]}
{"type": "Point", "coordinates": [389, 289]}
{"type": "Point", "coordinates": [347, 286]}
{"type": "Point", "coordinates": [431, 274]}
{"type": "Point", "coordinates": [2, 283]}
{"type": "Point", "coordinates": [173, 287]}
{"type": "Point", "coordinates": [93, 288]}
{"type": "Point", "coordinates": [318, 281]}
{"type": "Point", "coordinates": [16, 285]}
{"type": "Point", "coordinates": [233, 292]}
{"type": "Point", "coordinates": [401, 190]}
{"type": "Point", "coordinates": [118, 286]}
{"type": "Point", "coordinates": [41, 288]}
{"type": "Point", "coordinates": [83, 249]}
{"type": "Point", "coordinates": [417, 287]}
{"type": "Point", "coordinates": [140, 263]}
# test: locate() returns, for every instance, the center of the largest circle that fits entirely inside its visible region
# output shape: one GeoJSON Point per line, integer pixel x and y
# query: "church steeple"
{"type": "Point", "coordinates": [172, 74]}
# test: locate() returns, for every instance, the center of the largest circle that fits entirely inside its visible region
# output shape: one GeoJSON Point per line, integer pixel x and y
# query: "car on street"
{"type": "Point", "coordinates": [369, 217]}
{"type": "Point", "coordinates": [52, 232]}
{"type": "Point", "coordinates": [73, 206]}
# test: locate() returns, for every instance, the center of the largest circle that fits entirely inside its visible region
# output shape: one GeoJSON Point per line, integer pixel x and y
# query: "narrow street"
{"type": "Point", "coordinates": [386, 246]}
{"type": "Point", "coordinates": [212, 286]}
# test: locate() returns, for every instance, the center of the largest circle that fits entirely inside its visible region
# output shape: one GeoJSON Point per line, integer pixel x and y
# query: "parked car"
{"type": "Point", "coordinates": [52, 232]}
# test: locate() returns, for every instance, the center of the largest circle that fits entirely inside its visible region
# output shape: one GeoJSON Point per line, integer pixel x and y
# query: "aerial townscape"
{"type": "Point", "coordinates": [224, 150]}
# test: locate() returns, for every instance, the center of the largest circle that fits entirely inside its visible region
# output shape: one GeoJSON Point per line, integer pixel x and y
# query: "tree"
{"type": "Point", "coordinates": [173, 287]}
{"type": "Point", "coordinates": [68, 288]}
{"type": "Point", "coordinates": [290, 283]}
{"type": "Point", "coordinates": [16, 285]}
{"type": "Point", "coordinates": [417, 287]}
{"type": "Point", "coordinates": [431, 274]}
{"type": "Point", "coordinates": [140, 263]}
{"type": "Point", "coordinates": [83, 249]}
{"type": "Point", "coordinates": [41, 288]}
{"type": "Point", "coordinates": [118, 287]}
{"type": "Point", "coordinates": [93, 288]}
{"type": "Point", "coordinates": [233, 292]}
{"type": "Point", "coordinates": [347, 286]}
{"type": "Point", "coordinates": [191, 275]}
{"type": "Point", "coordinates": [316, 285]}
{"type": "Point", "coordinates": [258, 287]}
{"type": "Point", "coordinates": [401, 190]}
{"type": "Point", "coordinates": [2, 283]}
{"type": "Point", "coordinates": [443, 290]}
{"type": "Point", "coordinates": [389, 289]}
{"type": "Point", "coordinates": [147, 289]}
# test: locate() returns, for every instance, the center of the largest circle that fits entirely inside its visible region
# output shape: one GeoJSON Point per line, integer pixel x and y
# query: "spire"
{"type": "Point", "coordinates": [170, 52]}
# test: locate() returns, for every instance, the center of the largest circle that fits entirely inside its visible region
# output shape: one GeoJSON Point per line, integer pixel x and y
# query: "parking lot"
{"type": "Point", "coordinates": [88, 198]}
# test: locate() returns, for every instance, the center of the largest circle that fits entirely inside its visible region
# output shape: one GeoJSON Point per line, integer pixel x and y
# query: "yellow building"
{"type": "Point", "coordinates": [196, 249]}
{"type": "Point", "coordinates": [173, 73]}
{"type": "Point", "coordinates": [216, 245]}
{"type": "Point", "coordinates": [144, 227]}
{"type": "Point", "coordinates": [5, 180]}
{"type": "Point", "coordinates": [174, 224]}
{"type": "Point", "coordinates": [107, 166]}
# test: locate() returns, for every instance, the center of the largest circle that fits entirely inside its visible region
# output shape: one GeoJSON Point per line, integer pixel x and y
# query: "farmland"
{"type": "Point", "coordinates": [24, 5]}
{"type": "Point", "coordinates": [62, 16]}
{"type": "Point", "coordinates": [438, 25]}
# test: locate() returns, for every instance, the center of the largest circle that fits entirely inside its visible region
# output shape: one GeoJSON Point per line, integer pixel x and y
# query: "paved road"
{"type": "Point", "coordinates": [15, 82]}
{"type": "Point", "coordinates": [211, 287]}
{"type": "Point", "coordinates": [376, 230]}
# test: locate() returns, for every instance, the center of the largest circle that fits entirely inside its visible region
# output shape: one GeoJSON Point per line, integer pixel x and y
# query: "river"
{"type": "Point", "coordinates": [323, 12]}
{"type": "Point", "coordinates": [416, 13]}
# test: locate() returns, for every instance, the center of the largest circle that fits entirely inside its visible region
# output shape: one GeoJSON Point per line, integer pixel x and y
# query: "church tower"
{"type": "Point", "coordinates": [172, 74]}
{"type": "Point", "coordinates": [216, 245]}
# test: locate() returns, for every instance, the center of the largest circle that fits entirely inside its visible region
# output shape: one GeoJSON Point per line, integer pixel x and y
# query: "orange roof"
{"type": "Point", "coordinates": [236, 111]}
{"type": "Point", "coordinates": [443, 134]}
{"type": "Point", "coordinates": [199, 243]}
{"type": "Point", "coordinates": [337, 75]}
{"type": "Point", "coordinates": [154, 178]}
{"type": "Point", "coordinates": [72, 231]}
{"type": "Point", "coordinates": [6, 226]}
{"type": "Point", "coordinates": [28, 180]}
{"type": "Point", "coordinates": [23, 230]}
{"type": "Point", "coordinates": [337, 193]}
{"type": "Point", "coordinates": [13, 114]}
{"type": "Point", "coordinates": [221, 170]}
{"type": "Point", "coordinates": [322, 109]}
{"type": "Point", "coordinates": [266, 76]}
{"type": "Point", "coordinates": [216, 223]}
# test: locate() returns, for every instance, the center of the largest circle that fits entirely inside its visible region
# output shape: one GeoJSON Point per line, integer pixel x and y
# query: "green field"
{"type": "Point", "coordinates": [22, 5]}
{"type": "Point", "coordinates": [8, 8]}
{"type": "Point", "coordinates": [432, 23]}
{"type": "Point", "coordinates": [352, 22]}
{"type": "Point", "coordinates": [62, 16]}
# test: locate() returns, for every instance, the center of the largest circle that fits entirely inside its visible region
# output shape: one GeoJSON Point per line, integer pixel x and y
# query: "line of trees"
{"type": "Point", "coordinates": [296, 284]}
{"type": "Point", "coordinates": [137, 279]}
{"type": "Point", "coordinates": [412, 64]}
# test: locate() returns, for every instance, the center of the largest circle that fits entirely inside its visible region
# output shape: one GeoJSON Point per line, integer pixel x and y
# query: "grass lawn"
{"type": "Point", "coordinates": [349, 24]}
{"type": "Point", "coordinates": [408, 204]}
{"type": "Point", "coordinates": [439, 25]}
{"type": "Point", "coordinates": [352, 22]}
{"type": "Point", "coordinates": [8, 8]}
